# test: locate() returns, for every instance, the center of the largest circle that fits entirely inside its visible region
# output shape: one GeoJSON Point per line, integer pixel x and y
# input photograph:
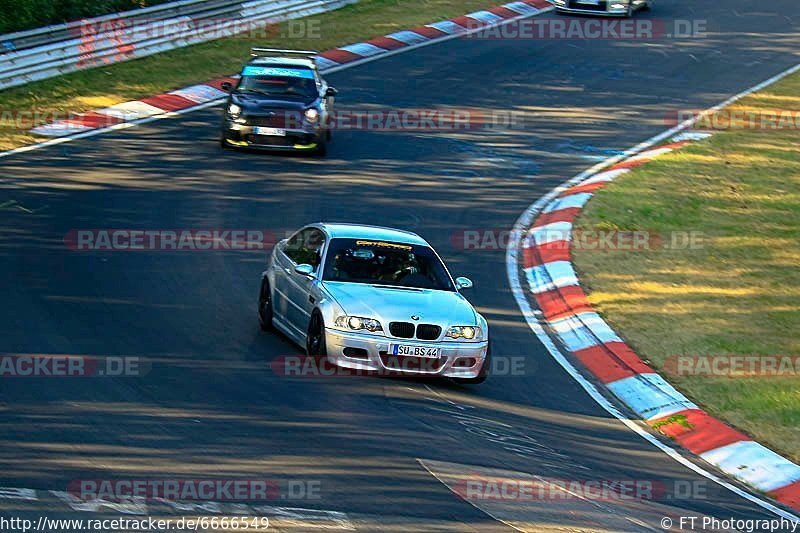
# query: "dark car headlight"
{"type": "Point", "coordinates": [312, 115]}
{"type": "Point", "coordinates": [234, 110]}
{"type": "Point", "coordinates": [468, 333]}
{"type": "Point", "coordinates": [357, 322]}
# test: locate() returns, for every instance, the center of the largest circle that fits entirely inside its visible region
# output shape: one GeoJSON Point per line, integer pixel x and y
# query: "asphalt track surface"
{"type": "Point", "coordinates": [210, 405]}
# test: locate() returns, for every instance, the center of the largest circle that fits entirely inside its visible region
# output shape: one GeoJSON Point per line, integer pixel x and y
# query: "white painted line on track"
{"type": "Point", "coordinates": [115, 127]}
{"type": "Point", "coordinates": [513, 272]}
{"type": "Point", "coordinates": [14, 493]}
{"type": "Point", "coordinates": [493, 517]}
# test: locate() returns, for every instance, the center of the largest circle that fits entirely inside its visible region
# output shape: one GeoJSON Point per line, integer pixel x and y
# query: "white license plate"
{"type": "Point", "coordinates": [415, 351]}
{"type": "Point", "coordinates": [276, 132]}
{"type": "Point", "coordinates": [590, 2]}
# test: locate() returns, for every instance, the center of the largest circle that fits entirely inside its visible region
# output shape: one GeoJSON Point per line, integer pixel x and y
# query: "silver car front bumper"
{"type": "Point", "coordinates": [375, 355]}
{"type": "Point", "coordinates": [613, 8]}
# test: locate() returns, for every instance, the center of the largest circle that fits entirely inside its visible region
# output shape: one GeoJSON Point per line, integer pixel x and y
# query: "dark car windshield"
{"type": "Point", "coordinates": [285, 82]}
{"type": "Point", "coordinates": [385, 263]}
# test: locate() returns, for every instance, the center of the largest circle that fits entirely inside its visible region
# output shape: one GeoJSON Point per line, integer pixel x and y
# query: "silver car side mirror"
{"type": "Point", "coordinates": [305, 270]}
{"type": "Point", "coordinates": [463, 283]}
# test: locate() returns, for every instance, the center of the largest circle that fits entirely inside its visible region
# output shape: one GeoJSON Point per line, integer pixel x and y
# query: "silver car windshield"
{"type": "Point", "coordinates": [385, 263]}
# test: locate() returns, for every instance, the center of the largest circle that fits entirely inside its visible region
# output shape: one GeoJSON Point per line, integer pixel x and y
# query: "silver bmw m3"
{"type": "Point", "coordinates": [373, 299]}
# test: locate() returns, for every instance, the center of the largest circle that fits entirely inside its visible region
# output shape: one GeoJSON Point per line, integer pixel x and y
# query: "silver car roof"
{"type": "Point", "coordinates": [363, 231]}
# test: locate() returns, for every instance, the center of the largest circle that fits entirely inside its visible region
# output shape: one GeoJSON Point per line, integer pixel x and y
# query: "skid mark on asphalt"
{"type": "Point", "coordinates": [497, 492]}
{"type": "Point", "coordinates": [13, 205]}
{"type": "Point", "coordinates": [587, 151]}
{"type": "Point", "coordinates": [470, 426]}
{"type": "Point", "coordinates": [405, 524]}
{"type": "Point", "coordinates": [477, 158]}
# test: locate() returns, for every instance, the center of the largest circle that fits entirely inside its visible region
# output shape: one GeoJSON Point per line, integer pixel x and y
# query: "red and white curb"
{"type": "Point", "coordinates": [167, 104]}
{"type": "Point", "coordinates": [554, 288]}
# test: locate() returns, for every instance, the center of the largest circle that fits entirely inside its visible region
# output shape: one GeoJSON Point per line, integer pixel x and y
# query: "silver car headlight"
{"type": "Point", "coordinates": [357, 323]}
{"type": "Point", "coordinates": [468, 333]}
{"type": "Point", "coordinates": [234, 110]}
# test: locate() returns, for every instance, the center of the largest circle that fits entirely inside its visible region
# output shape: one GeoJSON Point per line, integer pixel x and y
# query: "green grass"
{"type": "Point", "coordinates": [738, 294]}
{"type": "Point", "coordinates": [106, 86]}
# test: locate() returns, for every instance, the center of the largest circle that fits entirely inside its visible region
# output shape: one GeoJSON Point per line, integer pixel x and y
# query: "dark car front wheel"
{"type": "Point", "coordinates": [265, 306]}
{"type": "Point", "coordinates": [315, 339]}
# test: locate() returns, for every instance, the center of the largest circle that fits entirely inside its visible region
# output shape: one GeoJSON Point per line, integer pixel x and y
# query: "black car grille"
{"type": "Point", "coordinates": [278, 120]}
{"type": "Point", "coordinates": [272, 140]}
{"type": "Point", "coordinates": [428, 332]}
{"type": "Point", "coordinates": [403, 330]}
{"type": "Point", "coordinates": [407, 330]}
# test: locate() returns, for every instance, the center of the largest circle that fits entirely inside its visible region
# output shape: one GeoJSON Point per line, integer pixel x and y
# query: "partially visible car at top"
{"type": "Point", "coordinates": [375, 299]}
{"type": "Point", "coordinates": [614, 8]}
{"type": "Point", "coordinates": [280, 102]}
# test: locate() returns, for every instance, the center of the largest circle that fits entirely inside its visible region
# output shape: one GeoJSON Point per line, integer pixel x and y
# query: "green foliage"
{"type": "Point", "coordinates": [17, 15]}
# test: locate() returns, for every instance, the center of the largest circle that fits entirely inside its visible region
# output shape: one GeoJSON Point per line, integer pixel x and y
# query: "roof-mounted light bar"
{"type": "Point", "coordinates": [311, 55]}
{"type": "Point", "coordinates": [261, 52]}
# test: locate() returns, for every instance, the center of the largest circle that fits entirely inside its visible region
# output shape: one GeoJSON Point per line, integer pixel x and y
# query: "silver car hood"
{"type": "Point", "coordinates": [390, 304]}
